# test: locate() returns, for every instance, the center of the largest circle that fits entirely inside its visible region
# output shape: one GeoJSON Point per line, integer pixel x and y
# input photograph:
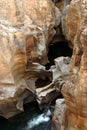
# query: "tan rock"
{"type": "Point", "coordinates": [60, 113]}
{"type": "Point", "coordinates": [51, 91]}
{"type": "Point", "coordinates": [75, 89]}
{"type": "Point", "coordinates": [26, 27]}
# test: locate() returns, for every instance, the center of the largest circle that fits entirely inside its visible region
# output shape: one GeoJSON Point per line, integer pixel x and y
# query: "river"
{"type": "Point", "coordinates": [31, 119]}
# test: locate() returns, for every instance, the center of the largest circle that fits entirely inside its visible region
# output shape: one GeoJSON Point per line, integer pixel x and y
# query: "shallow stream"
{"type": "Point", "coordinates": [31, 119]}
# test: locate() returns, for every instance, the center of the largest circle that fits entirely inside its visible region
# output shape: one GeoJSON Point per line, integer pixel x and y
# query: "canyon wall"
{"type": "Point", "coordinates": [26, 28]}
{"type": "Point", "coordinates": [73, 111]}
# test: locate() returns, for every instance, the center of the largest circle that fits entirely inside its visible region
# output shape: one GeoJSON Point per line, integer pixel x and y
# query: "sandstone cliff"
{"type": "Point", "coordinates": [26, 28]}
{"type": "Point", "coordinates": [73, 115]}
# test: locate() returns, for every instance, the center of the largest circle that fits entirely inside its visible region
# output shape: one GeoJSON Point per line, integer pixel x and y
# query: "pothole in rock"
{"type": "Point", "coordinates": [56, 50]}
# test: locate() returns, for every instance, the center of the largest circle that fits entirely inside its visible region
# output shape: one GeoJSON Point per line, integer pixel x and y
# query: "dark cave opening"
{"type": "Point", "coordinates": [42, 82]}
{"type": "Point", "coordinates": [56, 50]}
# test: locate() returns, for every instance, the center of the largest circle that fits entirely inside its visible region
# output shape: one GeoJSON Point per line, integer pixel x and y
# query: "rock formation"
{"type": "Point", "coordinates": [74, 113]}
{"type": "Point", "coordinates": [59, 75]}
{"type": "Point", "coordinates": [26, 28]}
{"type": "Point", "coordinates": [60, 115]}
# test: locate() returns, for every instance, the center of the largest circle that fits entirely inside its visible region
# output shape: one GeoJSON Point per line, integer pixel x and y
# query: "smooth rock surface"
{"type": "Point", "coordinates": [26, 28]}
{"type": "Point", "coordinates": [51, 91]}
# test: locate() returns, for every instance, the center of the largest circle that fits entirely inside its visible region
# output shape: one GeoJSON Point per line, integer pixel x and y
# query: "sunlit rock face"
{"type": "Point", "coordinates": [26, 28]}
{"type": "Point", "coordinates": [75, 89]}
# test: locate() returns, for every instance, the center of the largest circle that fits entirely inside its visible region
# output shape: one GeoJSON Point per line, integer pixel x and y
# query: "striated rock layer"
{"type": "Point", "coordinates": [75, 89]}
{"type": "Point", "coordinates": [26, 28]}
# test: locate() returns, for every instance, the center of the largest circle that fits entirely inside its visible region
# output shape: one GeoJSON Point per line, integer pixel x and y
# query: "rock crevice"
{"type": "Point", "coordinates": [26, 30]}
{"type": "Point", "coordinates": [74, 91]}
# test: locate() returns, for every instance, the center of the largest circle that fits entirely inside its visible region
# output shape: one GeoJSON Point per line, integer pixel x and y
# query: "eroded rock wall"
{"type": "Point", "coordinates": [26, 28]}
{"type": "Point", "coordinates": [75, 89]}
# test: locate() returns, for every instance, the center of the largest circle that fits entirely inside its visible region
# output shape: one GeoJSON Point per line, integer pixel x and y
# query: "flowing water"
{"type": "Point", "coordinates": [31, 119]}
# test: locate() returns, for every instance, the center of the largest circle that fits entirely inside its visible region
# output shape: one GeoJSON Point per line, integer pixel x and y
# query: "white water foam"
{"type": "Point", "coordinates": [39, 119]}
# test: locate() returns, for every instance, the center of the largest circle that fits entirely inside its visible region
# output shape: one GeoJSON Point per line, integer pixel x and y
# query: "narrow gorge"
{"type": "Point", "coordinates": [43, 64]}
